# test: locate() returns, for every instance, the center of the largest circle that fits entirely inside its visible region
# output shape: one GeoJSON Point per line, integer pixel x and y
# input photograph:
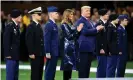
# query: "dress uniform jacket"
{"type": "Point", "coordinates": [122, 40]}
{"type": "Point", "coordinates": [101, 42]}
{"type": "Point", "coordinates": [11, 41]}
{"type": "Point", "coordinates": [51, 38]}
{"type": "Point", "coordinates": [34, 39]}
{"type": "Point", "coordinates": [86, 39]}
{"type": "Point", "coordinates": [69, 57]}
{"type": "Point", "coordinates": [113, 39]}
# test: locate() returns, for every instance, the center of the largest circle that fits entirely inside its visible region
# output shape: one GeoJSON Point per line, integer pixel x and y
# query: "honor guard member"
{"type": "Point", "coordinates": [86, 42]}
{"type": "Point", "coordinates": [101, 44]}
{"type": "Point", "coordinates": [35, 44]}
{"type": "Point", "coordinates": [11, 44]}
{"type": "Point", "coordinates": [113, 40]}
{"type": "Point", "coordinates": [51, 40]}
{"type": "Point", "coordinates": [122, 58]}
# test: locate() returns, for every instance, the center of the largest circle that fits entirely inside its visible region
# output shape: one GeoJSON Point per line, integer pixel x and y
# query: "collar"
{"type": "Point", "coordinates": [85, 18]}
{"type": "Point", "coordinates": [104, 21]}
{"type": "Point", "coordinates": [52, 20]}
{"type": "Point", "coordinates": [14, 22]}
{"type": "Point", "coordinates": [122, 26]}
{"type": "Point", "coordinates": [113, 24]}
{"type": "Point", "coordinates": [36, 21]}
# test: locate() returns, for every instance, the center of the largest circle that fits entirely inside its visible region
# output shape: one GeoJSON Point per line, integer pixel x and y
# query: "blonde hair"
{"type": "Point", "coordinates": [66, 14]}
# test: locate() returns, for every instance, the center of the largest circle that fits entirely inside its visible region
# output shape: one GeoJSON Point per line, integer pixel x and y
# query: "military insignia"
{"type": "Point", "coordinates": [123, 34]}
{"type": "Point", "coordinates": [15, 32]}
{"type": "Point", "coordinates": [54, 29]}
{"type": "Point", "coordinates": [114, 30]}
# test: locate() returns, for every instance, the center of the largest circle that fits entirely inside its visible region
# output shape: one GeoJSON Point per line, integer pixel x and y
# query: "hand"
{"type": "Point", "coordinates": [120, 53]}
{"type": "Point", "coordinates": [79, 28]}
{"type": "Point", "coordinates": [109, 53]}
{"type": "Point", "coordinates": [102, 51]}
{"type": "Point", "coordinates": [8, 57]}
{"type": "Point", "coordinates": [100, 27]}
{"type": "Point", "coordinates": [32, 56]}
{"type": "Point", "coordinates": [48, 56]}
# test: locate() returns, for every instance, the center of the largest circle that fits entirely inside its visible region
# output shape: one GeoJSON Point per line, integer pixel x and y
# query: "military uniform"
{"type": "Point", "coordinates": [113, 41]}
{"type": "Point", "coordinates": [122, 59]}
{"type": "Point", "coordinates": [101, 43]}
{"type": "Point", "coordinates": [51, 41]}
{"type": "Point", "coordinates": [35, 45]}
{"type": "Point", "coordinates": [11, 43]}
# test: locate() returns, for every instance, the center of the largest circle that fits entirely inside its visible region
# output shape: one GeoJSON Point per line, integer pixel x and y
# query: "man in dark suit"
{"type": "Point", "coordinates": [101, 44]}
{"type": "Point", "coordinates": [35, 44]}
{"type": "Point", "coordinates": [113, 40]}
{"type": "Point", "coordinates": [51, 40]}
{"type": "Point", "coordinates": [86, 42]}
{"type": "Point", "coordinates": [11, 43]}
{"type": "Point", "coordinates": [122, 58]}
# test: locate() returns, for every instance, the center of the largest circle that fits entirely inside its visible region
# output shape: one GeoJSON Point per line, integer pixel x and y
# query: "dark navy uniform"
{"type": "Point", "coordinates": [70, 56]}
{"type": "Point", "coordinates": [11, 43]}
{"type": "Point", "coordinates": [11, 48]}
{"type": "Point", "coordinates": [113, 41]}
{"type": "Point", "coordinates": [35, 45]}
{"type": "Point", "coordinates": [86, 42]}
{"type": "Point", "coordinates": [101, 43]}
{"type": "Point", "coordinates": [122, 59]}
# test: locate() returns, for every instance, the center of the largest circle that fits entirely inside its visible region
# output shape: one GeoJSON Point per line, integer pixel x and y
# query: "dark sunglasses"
{"type": "Point", "coordinates": [39, 14]}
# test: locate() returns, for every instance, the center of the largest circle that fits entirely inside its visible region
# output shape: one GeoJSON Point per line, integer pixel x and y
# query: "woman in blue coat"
{"type": "Point", "coordinates": [69, 35]}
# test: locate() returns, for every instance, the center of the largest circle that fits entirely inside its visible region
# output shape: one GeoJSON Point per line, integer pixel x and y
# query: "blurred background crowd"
{"type": "Point", "coordinates": [115, 7]}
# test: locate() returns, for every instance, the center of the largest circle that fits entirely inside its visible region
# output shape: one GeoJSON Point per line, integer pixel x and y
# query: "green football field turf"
{"type": "Point", "coordinates": [25, 74]}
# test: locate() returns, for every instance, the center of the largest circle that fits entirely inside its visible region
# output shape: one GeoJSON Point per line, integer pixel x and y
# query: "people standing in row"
{"type": "Point", "coordinates": [69, 36]}
{"type": "Point", "coordinates": [11, 43]}
{"type": "Point", "coordinates": [86, 42]}
{"type": "Point", "coordinates": [35, 44]}
{"type": "Point", "coordinates": [113, 41]}
{"type": "Point", "coordinates": [51, 41]}
{"type": "Point", "coordinates": [122, 58]}
{"type": "Point", "coordinates": [101, 44]}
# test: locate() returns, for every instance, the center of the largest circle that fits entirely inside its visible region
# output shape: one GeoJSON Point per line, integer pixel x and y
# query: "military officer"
{"type": "Point", "coordinates": [51, 41]}
{"type": "Point", "coordinates": [86, 41]}
{"type": "Point", "coordinates": [101, 44]}
{"type": "Point", "coordinates": [11, 45]}
{"type": "Point", "coordinates": [122, 58]}
{"type": "Point", "coordinates": [112, 37]}
{"type": "Point", "coordinates": [35, 44]}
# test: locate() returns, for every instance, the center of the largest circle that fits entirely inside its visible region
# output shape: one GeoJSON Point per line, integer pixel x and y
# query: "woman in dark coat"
{"type": "Point", "coordinates": [70, 34]}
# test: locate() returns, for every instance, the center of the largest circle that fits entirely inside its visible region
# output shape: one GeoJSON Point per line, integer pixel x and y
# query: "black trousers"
{"type": "Point", "coordinates": [84, 64]}
{"type": "Point", "coordinates": [67, 75]}
{"type": "Point", "coordinates": [37, 68]}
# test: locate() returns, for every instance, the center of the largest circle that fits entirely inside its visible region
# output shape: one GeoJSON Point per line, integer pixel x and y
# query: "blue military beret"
{"type": "Point", "coordinates": [102, 12]}
{"type": "Point", "coordinates": [15, 13]}
{"type": "Point", "coordinates": [121, 17]}
{"type": "Point", "coordinates": [52, 9]}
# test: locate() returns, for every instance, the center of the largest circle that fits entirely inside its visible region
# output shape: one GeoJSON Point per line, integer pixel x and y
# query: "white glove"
{"type": "Point", "coordinates": [48, 55]}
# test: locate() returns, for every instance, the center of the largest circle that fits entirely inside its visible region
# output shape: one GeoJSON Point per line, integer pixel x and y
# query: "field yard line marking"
{"type": "Point", "coordinates": [27, 67]}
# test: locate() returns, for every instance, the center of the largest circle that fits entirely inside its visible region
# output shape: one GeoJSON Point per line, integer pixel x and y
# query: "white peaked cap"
{"type": "Point", "coordinates": [36, 10]}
